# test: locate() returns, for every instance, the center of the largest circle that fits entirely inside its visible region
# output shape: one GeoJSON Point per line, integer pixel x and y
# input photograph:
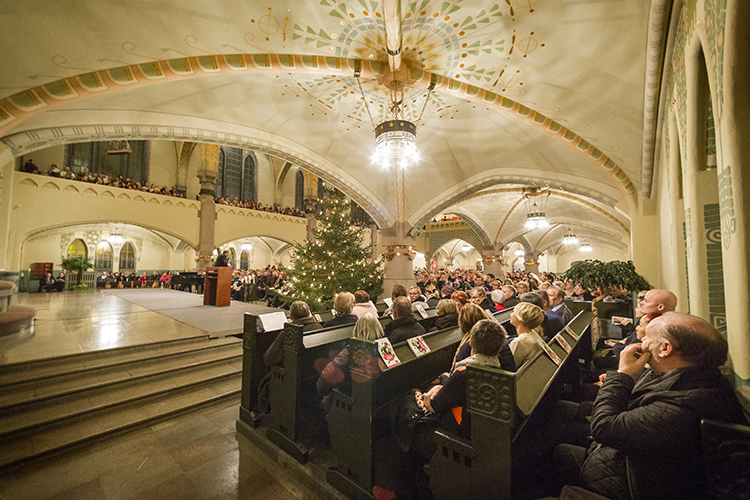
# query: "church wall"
{"type": "Point", "coordinates": [288, 189]}
{"type": "Point", "coordinates": [718, 28]}
{"type": "Point", "coordinates": [265, 182]}
{"type": "Point", "coordinates": [163, 164]}
{"type": "Point", "coordinates": [567, 257]}
{"type": "Point", "coordinates": [44, 158]}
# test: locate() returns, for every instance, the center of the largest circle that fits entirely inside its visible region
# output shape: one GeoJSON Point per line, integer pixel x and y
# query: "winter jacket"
{"type": "Point", "coordinates": [447, 320]}
{"type": "Point", "coordinates": [647, 434]}
{"type": "Point", "coordinates": [402, 329]}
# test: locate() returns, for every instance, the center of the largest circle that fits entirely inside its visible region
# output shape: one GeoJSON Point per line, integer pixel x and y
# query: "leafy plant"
{"type": "Point", "coordinates": [77, 265]}
{"type": "Point", "coordinates": [81, 288]}
{"type": "Point", "coordinates": [595, 273]}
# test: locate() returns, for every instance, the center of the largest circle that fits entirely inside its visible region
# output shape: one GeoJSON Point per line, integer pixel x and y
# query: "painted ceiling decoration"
{"type": "Point", "coordinates": [533, 92]}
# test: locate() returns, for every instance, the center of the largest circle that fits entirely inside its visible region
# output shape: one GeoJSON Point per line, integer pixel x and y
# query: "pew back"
{"type": "Point", "coordinates": [500, 404]}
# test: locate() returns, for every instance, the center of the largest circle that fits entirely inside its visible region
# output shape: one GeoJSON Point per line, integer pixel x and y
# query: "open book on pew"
{"type": "Point", "coordinates": [273, 321]}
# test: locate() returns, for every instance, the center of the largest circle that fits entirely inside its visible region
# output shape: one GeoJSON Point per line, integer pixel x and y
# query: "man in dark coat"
{"type": "Point", "coordinates": [222, 260]}
{"type": "Point", "coordinates": [404, 326]}
{"type": "Point", "coordinates": [646, 424]}
{"type": "Point", "coordinates": [478, 296]}
{"type": "Point", "coordinates": [510, 296]}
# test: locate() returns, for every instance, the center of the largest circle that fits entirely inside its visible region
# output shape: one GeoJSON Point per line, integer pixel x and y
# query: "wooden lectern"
{"type": "Point", "coordinates": [217, 286]}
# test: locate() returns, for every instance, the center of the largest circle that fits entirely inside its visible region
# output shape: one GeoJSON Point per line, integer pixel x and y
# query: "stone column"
{"type": "Point", "coordinates": [374, 240]}
{"type": "Point", "coordinates": [644, 238]}
{"type": "Point", "coordinates": [531, 263]}
{"type": "Point", "coordinates": [493, 260]}
{"type": "Point", "coordinates": [184, 151]}
{"type": "Point", "coordinates": [207, 174]}
{"type": "Point", "coordinates": [398, 256]}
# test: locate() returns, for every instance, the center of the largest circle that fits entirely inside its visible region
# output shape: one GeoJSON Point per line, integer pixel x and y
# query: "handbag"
{"type": "Point", "coordinates": [415, 413]}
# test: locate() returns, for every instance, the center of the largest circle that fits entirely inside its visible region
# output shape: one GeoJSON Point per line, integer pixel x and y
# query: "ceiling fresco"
{"type": "Point", "coordinates": [548, 91]}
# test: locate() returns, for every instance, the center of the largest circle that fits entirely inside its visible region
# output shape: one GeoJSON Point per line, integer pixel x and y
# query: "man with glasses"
{"type": "Point", "coordinates": [651, 303]}
{"type": "Point", "coordinates": [479, 297]}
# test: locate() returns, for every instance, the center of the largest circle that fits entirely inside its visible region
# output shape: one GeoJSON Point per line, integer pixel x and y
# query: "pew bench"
{"type": "Point", "coordinates": [353, 417]}
{"type": "Point", "coordinates": [500, 404]}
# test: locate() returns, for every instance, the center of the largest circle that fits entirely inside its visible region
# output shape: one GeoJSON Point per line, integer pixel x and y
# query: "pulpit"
{"type": "Point", "coordinates": [217, 286]}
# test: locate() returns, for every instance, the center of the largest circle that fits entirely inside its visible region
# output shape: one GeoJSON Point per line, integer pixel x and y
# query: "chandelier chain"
{"type": "Point", "coordinates": [430, 88]}
{"type": "Point", "coordinates": [357, 71]}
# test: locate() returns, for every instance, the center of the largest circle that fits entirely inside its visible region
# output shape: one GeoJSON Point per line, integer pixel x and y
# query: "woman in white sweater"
{"type": "Point", "coordinates": [527, 318]}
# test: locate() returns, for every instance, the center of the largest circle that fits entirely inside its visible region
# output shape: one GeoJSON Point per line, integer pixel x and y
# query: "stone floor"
{"type": "Point", "coordinates": [194, 456]}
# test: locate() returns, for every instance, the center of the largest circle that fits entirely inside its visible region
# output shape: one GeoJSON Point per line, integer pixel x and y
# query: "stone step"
{"type": "Point", "coordinates": [77, 363]}
{"type": "Point", "coordinates": [47, 391]}
{"type": "Point", "coordinates": [47, 412]}
{"type": "Point", "coordinates": [24, 447]}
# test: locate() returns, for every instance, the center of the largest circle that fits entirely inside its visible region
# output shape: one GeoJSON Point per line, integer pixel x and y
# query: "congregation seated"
{"type": "Point", "coordinates": [398, 291]}
{"type": "Point", "coordinates": [275, 208]}
{"type": "Point", "coordinates": [511, 295]}
{"type": "Point", "coordinates": [557, 305]}
{"type": "Point", "coordinates": [103, 179]}
{"type": "Point", "coordinates": [527, 319]}
{"type": "Point", "coordinates": [479, 297]}
{"type": "Point", "coordinates": [299, 314]}
{"type": "Point", "coordinates": [470, 315]}
{"type": "Point", "coordinates": [646, 421]}
{"type": "Point", "coordinates": [363, 304]}
{"type": "Point", "coordinates": [580, 293]}
{"type": "Point", "coordinates": [554, 322]}
{"type": "Point", "coordinates": [404, 326]}
{"type": "Point", "coordinates": [342, 308]}
{"type": "Point", "coordinates": [336, 374]}
{"type": "Point", "coordinates": [447, 315]}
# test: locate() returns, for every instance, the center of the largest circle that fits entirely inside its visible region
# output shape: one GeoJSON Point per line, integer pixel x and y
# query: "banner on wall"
{"type": "Point", "coordinates": [434, 265]}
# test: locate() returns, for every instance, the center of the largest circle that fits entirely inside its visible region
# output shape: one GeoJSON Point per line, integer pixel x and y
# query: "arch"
{"type": "Point", "coordinates": [127, 257]}
{"type": "Point", "coordinates": [496, 177]}
{"type": "Point", "coordinates": [30, 102]}
{"type": "Point", "coordinates": [77, 248]}
{"type": "Point", "coordinates": [103, 257]}
{"type": "Point", "coordinates": [249, 187]}
{"type": "Point", "coordinates": [232, 257]}
{"type": "Point", "coordinates": [255, 141]}
{"type": "Point", "coordinates": [244, 259]}
{"type": "Point", "coordinates": [476, 225]}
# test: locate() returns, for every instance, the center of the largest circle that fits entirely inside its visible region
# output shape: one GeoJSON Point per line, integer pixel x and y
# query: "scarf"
{"type": "Point", "coordinates": [478, 360]}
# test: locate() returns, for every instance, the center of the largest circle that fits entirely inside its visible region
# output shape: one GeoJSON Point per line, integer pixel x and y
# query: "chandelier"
{"type": "Point", "coordinates": [570, 238]}
{"type": "Point", "coordinates": [118, 147]}
{"type": "Point", "coordinates": [396, 139]}
{"type": "Point", "coordinates": [586, 247]}
{"type": "Point", "coordinates": [536, 218]}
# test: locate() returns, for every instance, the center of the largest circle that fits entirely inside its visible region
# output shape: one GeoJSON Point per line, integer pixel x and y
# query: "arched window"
{"type": "Point", "coordinates": [219, 187]}
{"type": "Point", "coordinates": [93, 156]}
{"type": "Point", "coordinates": [127, 258]}
{"type": "Point", "coordinates": [248, 179]}
{"type": "Point", "coordinates": [244, 259]}
{"type": "Point", "coordinates": [232, 258]}
{"type": "Point", "coordinates": [77, 249]}
{"type": "Point", "coordinates": [299, 191]}
{"type": "Point", "coordinates": [103, 257]}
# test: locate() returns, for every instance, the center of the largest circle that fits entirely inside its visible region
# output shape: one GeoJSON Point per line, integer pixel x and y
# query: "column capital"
{"type": "Point", "coordinates": [392, 251]}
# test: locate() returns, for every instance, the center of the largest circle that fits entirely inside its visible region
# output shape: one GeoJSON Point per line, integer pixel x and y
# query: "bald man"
{"type": "Point", "coordinates": [646, 422]}
{"type": "Point", "coordinates": [653, 304]}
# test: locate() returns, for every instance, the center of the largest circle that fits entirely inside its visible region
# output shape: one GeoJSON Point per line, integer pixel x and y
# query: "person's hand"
{"type": "Point", "coordinates": [633, 360]}
{"type": "Point", "coordinates": [433, 392]}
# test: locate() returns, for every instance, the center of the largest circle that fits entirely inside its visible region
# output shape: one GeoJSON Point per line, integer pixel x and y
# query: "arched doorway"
{"type": "Point", "coordinates": [103, 257]}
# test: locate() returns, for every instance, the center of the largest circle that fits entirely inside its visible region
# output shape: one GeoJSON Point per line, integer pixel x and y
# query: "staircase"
{"type": "Point", "coordinates": [51, 405]}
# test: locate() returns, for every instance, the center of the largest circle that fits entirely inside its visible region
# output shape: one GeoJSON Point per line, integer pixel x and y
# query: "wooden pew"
{"type": "Point", "coordinates": [352, 416]}
{"type": "Point", "coordinates": [293, 385]}
{"type": "Point", "coordinates": [500, 404]}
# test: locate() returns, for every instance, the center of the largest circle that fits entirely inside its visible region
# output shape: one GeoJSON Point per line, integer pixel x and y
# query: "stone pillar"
{"type": "Point", "coordinates": [184, 151]}
{"type": "Point", "coordinates": [493, 260]}
{"type": "Point", "coordinates": [644, 238]}
{"type": "Point", "coordinates": [374, 239]}
{"type": "Point", "coordinates": [207, 174]}
{"type": "Point", "coordinates": [531, 263]}
{"type": "Point", "coordinates": [677, 222]}
{"type": "Point", "coordinates": [398, 256]}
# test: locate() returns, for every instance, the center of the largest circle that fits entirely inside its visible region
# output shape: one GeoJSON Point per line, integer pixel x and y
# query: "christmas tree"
{"type": "Point", "coordinates": [336, 260]}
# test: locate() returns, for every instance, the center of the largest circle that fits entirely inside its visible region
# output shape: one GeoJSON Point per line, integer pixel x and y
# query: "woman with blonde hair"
{"type": "Point", "coordinates": [337, 372]}
{"type": "Point", "coordinates": [342, 308]}
{"type": "Point", "coordinates": [527, 318]}
{"type": "Point", "coordinates": [447, 315]}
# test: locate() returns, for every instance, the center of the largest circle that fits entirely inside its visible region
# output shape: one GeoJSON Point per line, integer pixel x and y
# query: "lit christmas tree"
{"type": "Point", "coordinates": [338, 261]}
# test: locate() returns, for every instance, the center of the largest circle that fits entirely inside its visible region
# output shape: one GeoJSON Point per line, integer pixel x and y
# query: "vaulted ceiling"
{"type": "Point", "coordinates": [545, 93]}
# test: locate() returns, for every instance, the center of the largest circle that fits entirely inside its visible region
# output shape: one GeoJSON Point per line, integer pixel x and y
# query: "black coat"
{"type": "Point", "coordinates": [402, 329]}
{"type": "Point", "coordinates": [340, 320]}
{"type": "Point", "coordinates": [648, 438]}
{"type": "Point", "coordinates": [445, 321]}
{"type": "Point", "coordinates": [221, 261]}
{"type": "Point", "coordinates": [511, 302]}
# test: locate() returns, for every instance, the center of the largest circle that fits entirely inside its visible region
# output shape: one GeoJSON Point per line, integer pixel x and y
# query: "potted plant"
{"type": "Point", "coordinates": [77, 265]}
{"type": "Point", "coordinates": [605, 276]}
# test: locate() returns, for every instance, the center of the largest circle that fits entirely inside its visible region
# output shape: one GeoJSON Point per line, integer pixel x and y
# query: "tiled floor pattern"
{"type": "Point", "coordinates": [194, 456]}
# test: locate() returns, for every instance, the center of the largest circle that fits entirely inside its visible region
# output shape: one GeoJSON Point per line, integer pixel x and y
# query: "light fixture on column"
{"type": "Point", "coordinates": [536, 218]}
{"type": "Point", "coordinates": [118, 147]}
{"type": "Point", "coordinates": [396, 139]}
{"type": "Point", "coordinates": [570, 238]}
{"type": "Point", "coordinates": [586, 247]}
